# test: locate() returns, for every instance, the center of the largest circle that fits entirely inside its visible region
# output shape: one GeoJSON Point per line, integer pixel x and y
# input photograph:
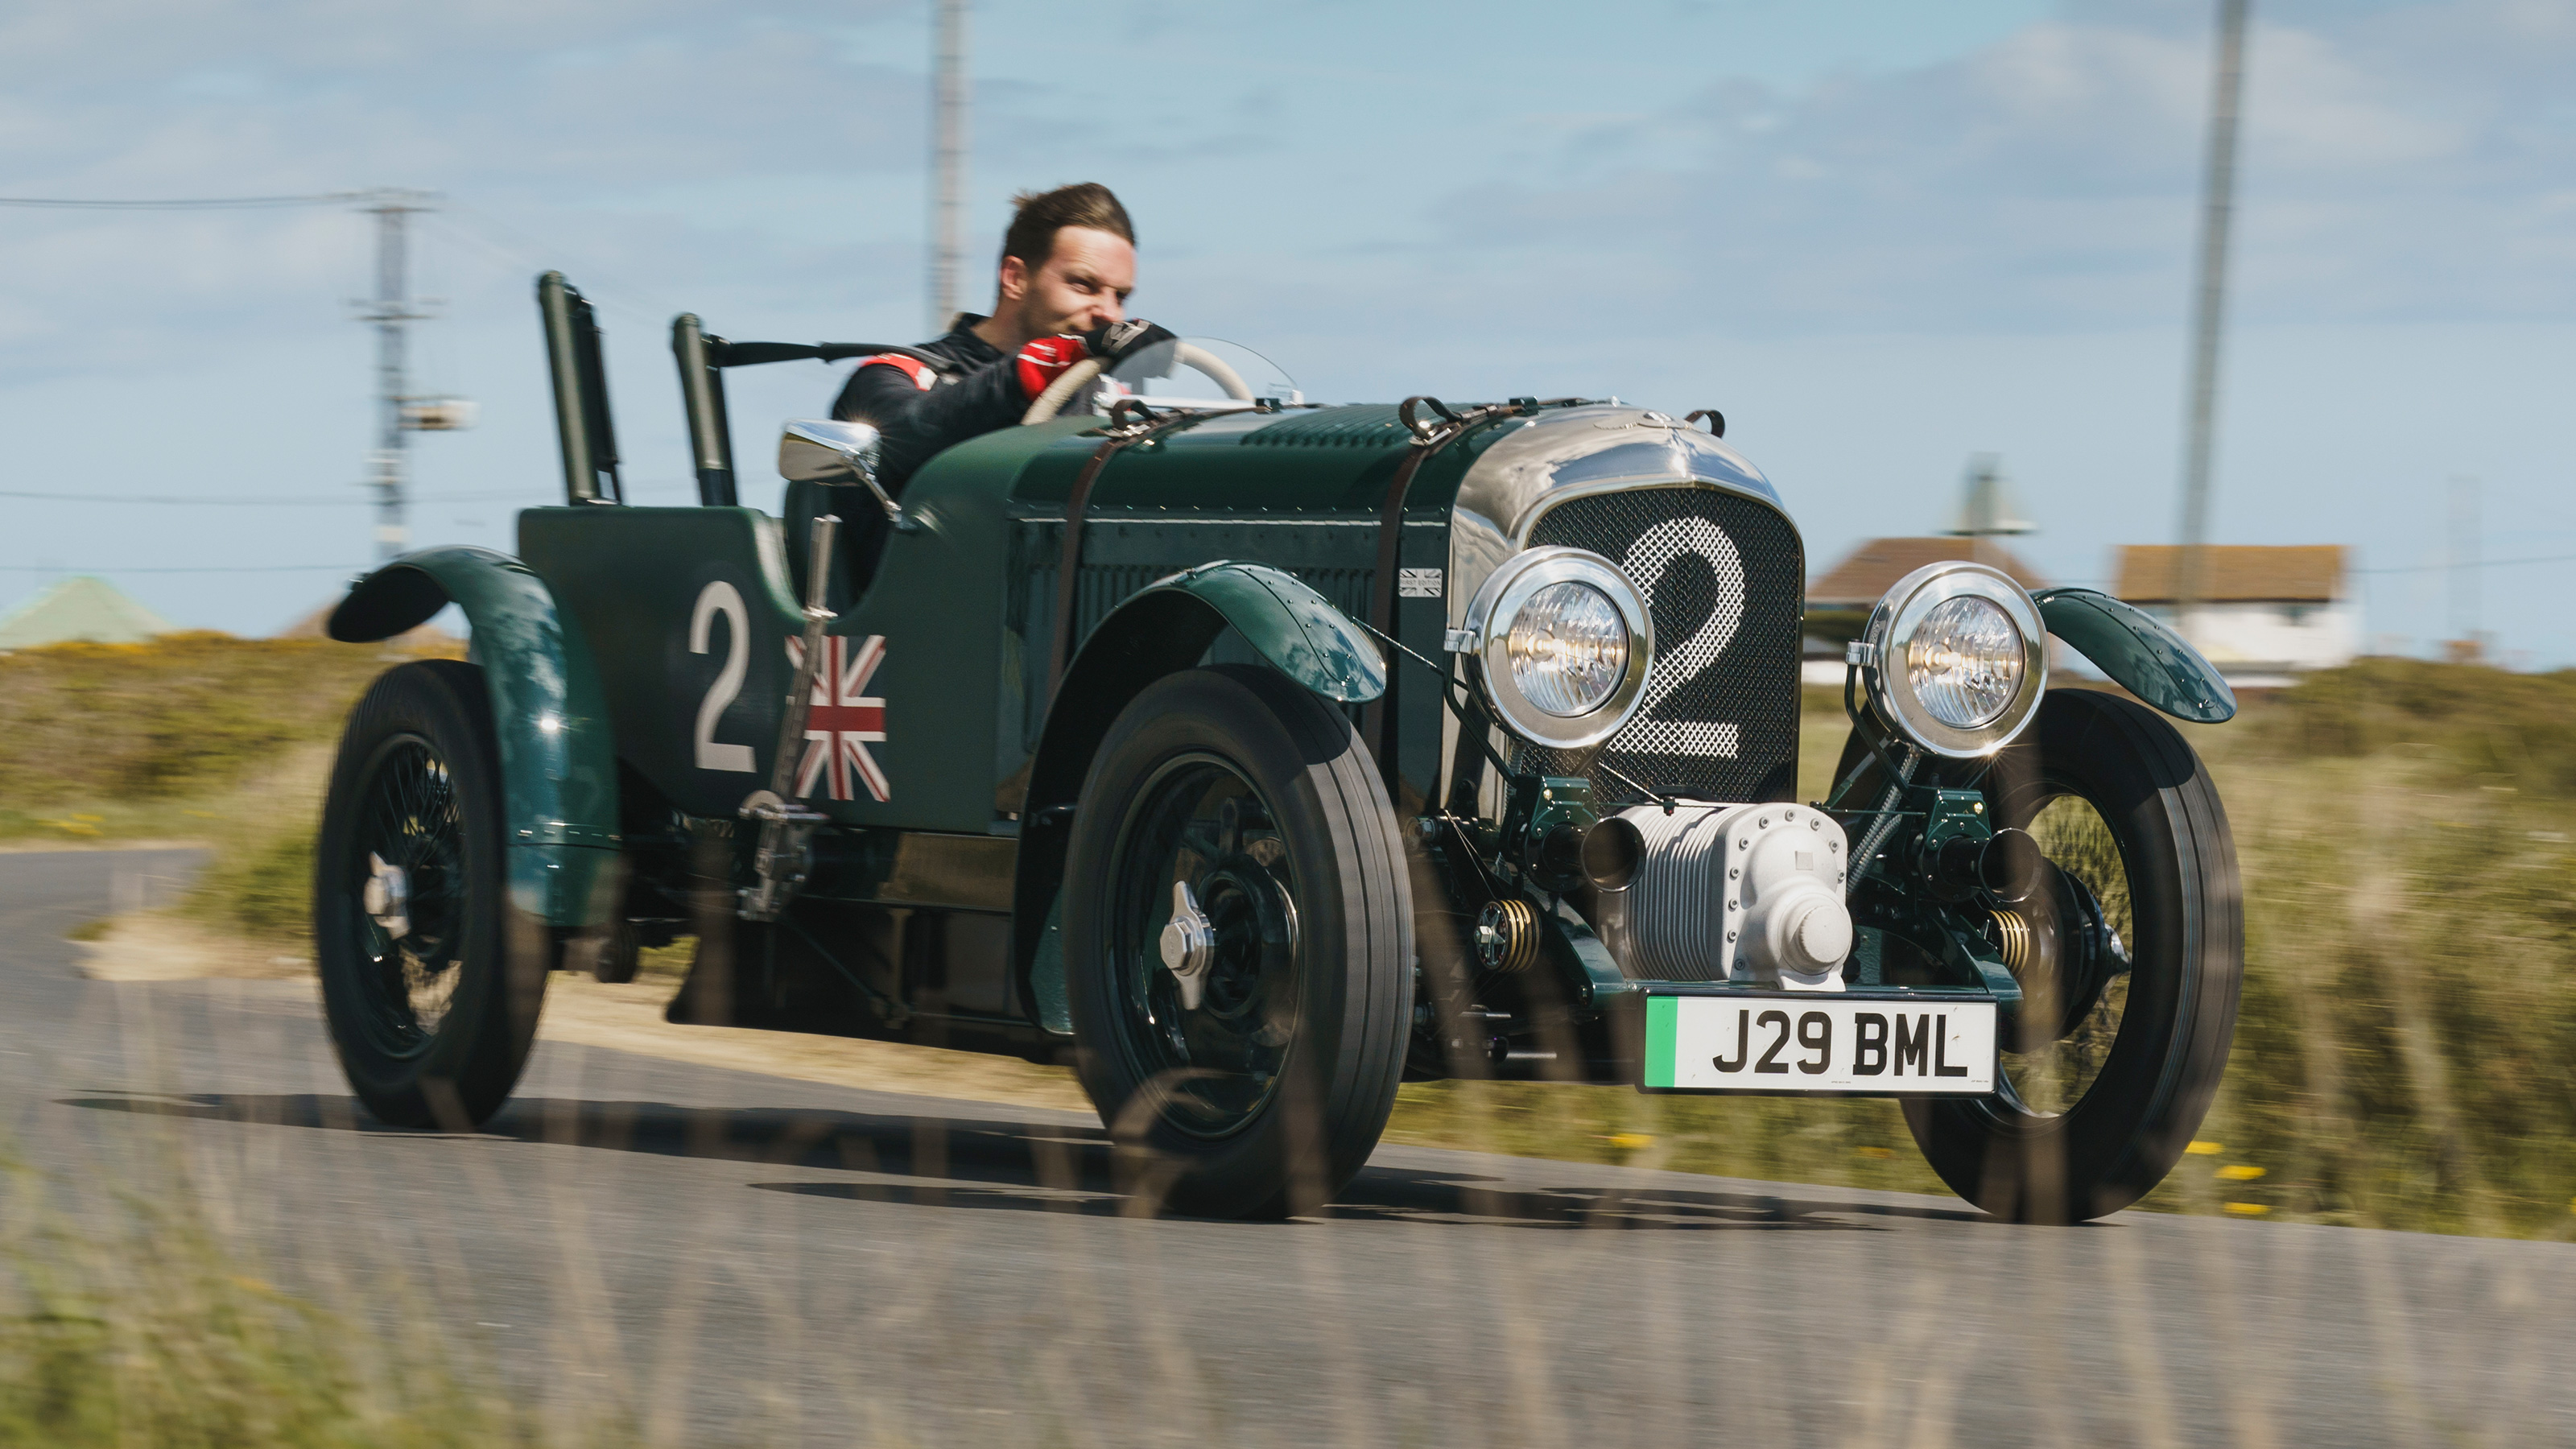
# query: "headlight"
{"type": "Point", "coordinates": [1955, 658]}
{"type": "Point", "coordinates": [1569, 649]}
{"type": "Point", "coordinates": [1562, 642]}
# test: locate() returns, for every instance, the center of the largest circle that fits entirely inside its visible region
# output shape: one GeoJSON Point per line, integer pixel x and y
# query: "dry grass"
{"type": "Point", "coordinates": [2403, 1055]}
{"type": "Point", "coordinates": [129, 1321]}
{"type": "Point", "coordinates": [116, 741]}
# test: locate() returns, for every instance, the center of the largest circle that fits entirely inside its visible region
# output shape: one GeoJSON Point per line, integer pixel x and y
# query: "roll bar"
{"type": "Point", "coordinates": [702, 394]}
{"type": "Point", "coordinates": [582, 422]}
{"type": "Point", "coordinates": [702, 359]}
{"type": "Point", "coordinates": [581, 392]}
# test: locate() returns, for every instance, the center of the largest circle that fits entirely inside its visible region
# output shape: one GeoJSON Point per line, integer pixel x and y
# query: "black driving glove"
{"type": "Point", "coordinates": [1119, 341]}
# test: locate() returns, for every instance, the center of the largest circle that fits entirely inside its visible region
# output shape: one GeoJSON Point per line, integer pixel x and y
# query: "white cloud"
{"type": "Point", "coordinates": [1878, 254]}
{"type": "Point", "coordinates": [2049, 182]}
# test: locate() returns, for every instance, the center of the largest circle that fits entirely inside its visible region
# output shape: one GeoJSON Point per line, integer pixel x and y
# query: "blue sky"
{"type": "Point", "coordinates": [1881, 236]}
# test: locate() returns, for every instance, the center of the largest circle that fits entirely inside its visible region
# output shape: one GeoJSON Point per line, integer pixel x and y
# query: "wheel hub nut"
{"type": "Point", "coordinates": [1188, 945]}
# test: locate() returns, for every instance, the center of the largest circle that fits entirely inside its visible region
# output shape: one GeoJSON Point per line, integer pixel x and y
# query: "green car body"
{"type": "Point", "coordinates": [641, 664]}
{"type": "Point", "coordinates": [1251, 535]}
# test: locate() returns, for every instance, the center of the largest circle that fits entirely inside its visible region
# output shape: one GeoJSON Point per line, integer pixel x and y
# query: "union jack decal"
{"type": "Point", "coordinates": [842, 719]}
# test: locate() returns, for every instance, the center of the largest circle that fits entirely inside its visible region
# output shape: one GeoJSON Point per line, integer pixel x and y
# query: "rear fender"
{"type": "Point", "coordinates": [558, 757]}
{"type": "Point", "coordinates": [1164, 628]}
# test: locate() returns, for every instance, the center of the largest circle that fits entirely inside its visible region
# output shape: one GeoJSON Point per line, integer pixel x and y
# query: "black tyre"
{"type": "Point", "coordinates": [2126, 1025]}
{"type": "Point", "coordinates": [1265, 1094]}
{"type": "Point", "coordinates": [430, 987]}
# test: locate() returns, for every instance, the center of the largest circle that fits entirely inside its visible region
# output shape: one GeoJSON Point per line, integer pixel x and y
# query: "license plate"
{"type": "Point", "coordinates": [1806, 1043]}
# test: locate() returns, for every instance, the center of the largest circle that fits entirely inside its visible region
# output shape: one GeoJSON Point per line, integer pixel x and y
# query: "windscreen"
{"type": "Point", "coordinates": [1200, 370]}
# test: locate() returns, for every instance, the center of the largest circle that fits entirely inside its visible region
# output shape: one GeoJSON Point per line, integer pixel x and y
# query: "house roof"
{"type": "Point", "coordinates": [2235, 573]}
{"type": "Point", "coordinates": [80, 608]}
{"type": "Point", "coordinates": [1868, 571]}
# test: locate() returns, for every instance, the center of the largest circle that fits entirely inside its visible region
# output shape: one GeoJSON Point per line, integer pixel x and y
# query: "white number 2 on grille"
{"type": "Point", "coordinates": [1654, 552]}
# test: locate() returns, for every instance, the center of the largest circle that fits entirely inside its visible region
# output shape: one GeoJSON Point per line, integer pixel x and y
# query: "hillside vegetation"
{"type": "Point", "coordinates": [2406, 1055]}
{"type": "Point", "coordinates": [105, 740]}
{"type": "Point", "coordinates": [2407, 1051]}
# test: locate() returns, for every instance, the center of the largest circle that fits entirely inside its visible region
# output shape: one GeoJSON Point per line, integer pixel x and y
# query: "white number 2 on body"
{"type": "Point", "coordinates": [723, 598]}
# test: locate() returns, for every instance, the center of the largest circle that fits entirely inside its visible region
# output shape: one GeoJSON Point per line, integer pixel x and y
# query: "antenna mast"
{"type": "Point", "coordinates": [391, 312]}
{"type": "Point", "coordinates": [399, 413]}
{"type": "Point", "coordinates": [948, 162]}
{"type": "Point", "coordinates": [2217, 204]}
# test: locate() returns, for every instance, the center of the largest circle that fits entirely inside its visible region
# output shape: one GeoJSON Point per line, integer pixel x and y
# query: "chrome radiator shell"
{"type": "Point", "coordinates": [1701, 533]}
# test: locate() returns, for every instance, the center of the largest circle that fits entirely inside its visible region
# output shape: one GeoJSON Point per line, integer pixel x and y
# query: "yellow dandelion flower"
{"type": "Point", "coordinates": [2247, 1209]}
{"type": "Point", "coordinates": [2240, 1172]}
{"type": "Point", "coordinates": [2206, 1149]}
{"type": "Point", "coordinates": [1630, 1141]}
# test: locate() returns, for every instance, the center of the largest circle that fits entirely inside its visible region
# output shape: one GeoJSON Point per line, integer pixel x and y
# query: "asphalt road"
{"type": "Point", "coordinates": [736, 1258]}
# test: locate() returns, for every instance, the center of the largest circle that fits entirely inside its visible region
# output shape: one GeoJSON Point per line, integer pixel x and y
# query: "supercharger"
{"type": "Point", "coordinates": [1733, 892]}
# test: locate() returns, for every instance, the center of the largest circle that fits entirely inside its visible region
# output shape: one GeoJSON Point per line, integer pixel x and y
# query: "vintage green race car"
{"type": "Point", "coordinates": [1253, 757]}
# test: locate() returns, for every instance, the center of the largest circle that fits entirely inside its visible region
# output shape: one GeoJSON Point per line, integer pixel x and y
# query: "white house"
{"type": "Point", "coordinates": [2266, 614]}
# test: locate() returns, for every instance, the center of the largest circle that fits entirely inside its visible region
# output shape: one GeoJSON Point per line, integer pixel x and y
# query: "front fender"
{"type": "Point", "coordinates": [1296, 629]}
{"type": "Point", "coordinates": [2140, 652]}
{"type": "Point", "coordinates": [558, 756]}
{"type": "Point", "coordinates": [1166, 626]}
{"type": "Point", "coordinates": [1161, 629]}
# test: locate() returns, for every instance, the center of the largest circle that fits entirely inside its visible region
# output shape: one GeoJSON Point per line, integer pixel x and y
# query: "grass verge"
{"type": "Point", "coordinates": [132, 1323]}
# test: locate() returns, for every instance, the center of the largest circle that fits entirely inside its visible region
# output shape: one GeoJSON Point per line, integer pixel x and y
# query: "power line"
{"type": "Point", "coordinates": [167, 500]}
{"type": "Point", "coordinates": [185, 203]}
{"type": "Point", "coordinates": [506, 242]}
{"type": "Point", "coordinates": [2493, 563]}
{"type": "Point", "coordinates": [191, 569]}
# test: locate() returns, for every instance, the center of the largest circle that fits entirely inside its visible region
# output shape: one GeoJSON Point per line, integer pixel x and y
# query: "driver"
{"type": "Point", "coordinates": [1068, 263]}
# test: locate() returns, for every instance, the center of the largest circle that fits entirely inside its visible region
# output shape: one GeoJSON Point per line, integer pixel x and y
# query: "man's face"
{"type": "Point", "coordinates": [1082, 285]}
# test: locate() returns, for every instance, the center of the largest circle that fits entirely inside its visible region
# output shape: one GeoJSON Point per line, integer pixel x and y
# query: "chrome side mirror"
{"type": "Point", "coordinates": [814, 450]}
{"type": "Point", "coordinates": [827, 452]}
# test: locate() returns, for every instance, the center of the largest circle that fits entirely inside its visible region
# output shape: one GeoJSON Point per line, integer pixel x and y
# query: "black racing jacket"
{"type": "Point", "coordinates": [918, 410]}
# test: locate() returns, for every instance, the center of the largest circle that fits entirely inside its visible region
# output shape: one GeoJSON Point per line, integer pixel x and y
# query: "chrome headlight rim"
{"type": "Point", "coordinates": [1498, 605]}
{"type": "Point", "coordinates": [1892, 625]}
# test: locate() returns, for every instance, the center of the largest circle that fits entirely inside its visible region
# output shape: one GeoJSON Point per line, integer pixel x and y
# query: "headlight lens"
{"type": "Point", "coordinates": [1562, 643]}
{"type": "Point", "coordinates": [1568, 649]}
{"type": "Point", "coordinates": [1965, 662]}
{"type": "Point", "coordinates": [1954, 659]}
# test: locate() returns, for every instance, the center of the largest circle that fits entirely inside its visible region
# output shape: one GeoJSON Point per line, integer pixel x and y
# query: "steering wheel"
{"type": "Point", "coordinates": [1079, 376]}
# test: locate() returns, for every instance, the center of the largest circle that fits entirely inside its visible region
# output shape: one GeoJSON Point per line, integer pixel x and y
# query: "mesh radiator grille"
{"type": "Point", "coordinates": [1725, 579]}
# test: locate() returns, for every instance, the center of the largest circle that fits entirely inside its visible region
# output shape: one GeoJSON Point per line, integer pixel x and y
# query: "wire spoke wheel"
{"type": "Point", "coordinates": [1201, 825]}
{"type": "Point", "coordinates": [2072, 1015]}
{"type": "Point", "coordinates": [408, 868]}
{"type": "Point", "coordinates": [430, 984]}
{"type": "Point", "coordinates": [1238, 944]}
{"type": "Point", "coordinates": [2130, 961]}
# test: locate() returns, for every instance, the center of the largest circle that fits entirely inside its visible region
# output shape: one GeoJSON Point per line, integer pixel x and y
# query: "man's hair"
{"type": "Point", "coordinates": [1036, 217]}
